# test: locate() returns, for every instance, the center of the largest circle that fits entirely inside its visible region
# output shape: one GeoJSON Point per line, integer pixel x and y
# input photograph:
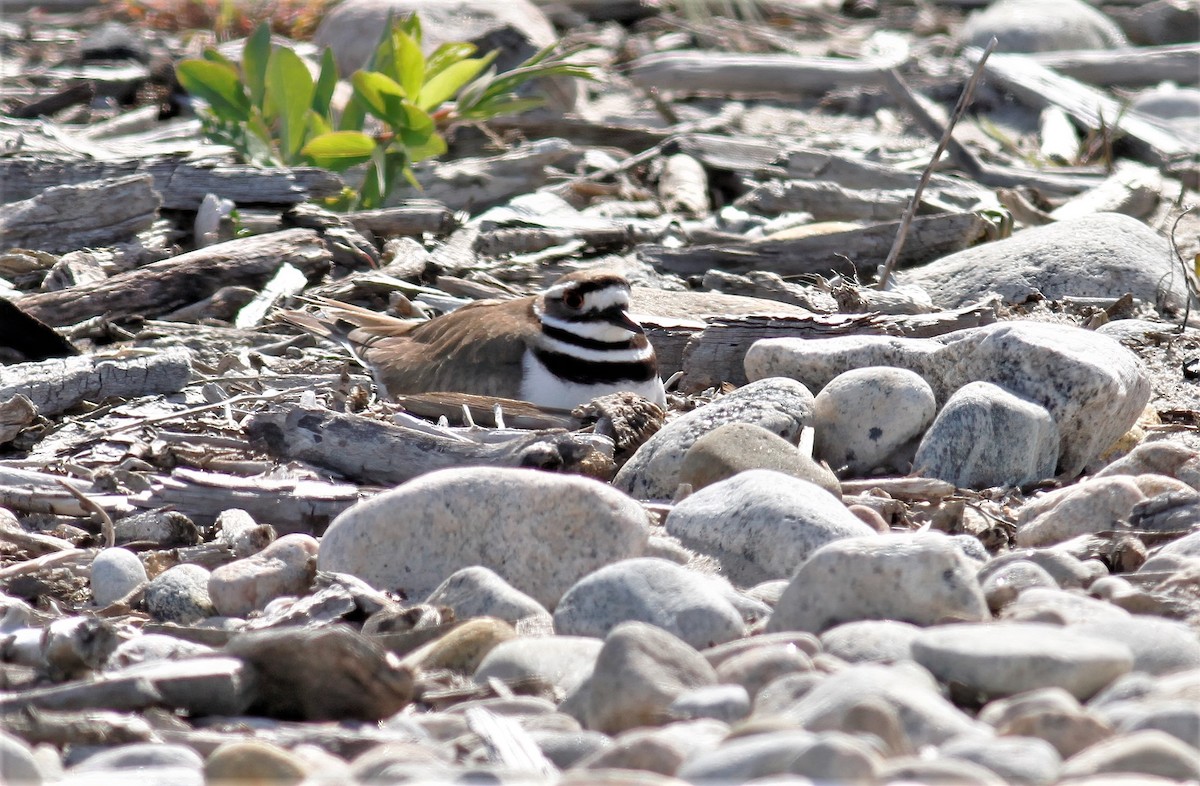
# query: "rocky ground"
{"type": "Point", "coordinates": [942, 531]}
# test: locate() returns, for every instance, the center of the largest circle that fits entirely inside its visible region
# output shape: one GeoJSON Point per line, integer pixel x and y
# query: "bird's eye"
{"type": "Point", "coordinates": [572, 299]}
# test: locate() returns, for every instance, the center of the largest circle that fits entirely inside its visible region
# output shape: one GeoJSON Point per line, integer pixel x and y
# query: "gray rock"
{"type": "Point", "coordinates": [1002, 659]}
{"type": "Point", "coordinates": [18, 766]}
{"type": "Point", "coordinates": [871, 418]}
{"type": "Point", "coordinates": [1160, 646]}
{"type": "Point", "coordinates": [659, 750]}
{"type": "Point", "coordinates": [1049, 714]}
{"type": "Point", "coordinates": [139, 755]}
{"type": "Point", "coordinates": [1094, 388]}
{"type": "Point", "coordinates": [1031, 26]}
{"type": "Point", "coordinates": [540, 531]}
{"type": "Point", "coordinates": [920, 578]}
{"type": "Point", "coordinates": [1062, 607]}
{"type": "Point", "coordinates": [728, 703]}
{"type": "Point", "coordinates": [879, 641]}
{"type": "Point", "coordinates": [737, 447]}
{"type": "Point", "coordinates": [1170, 459]}
{"type": "Point", "coordinates": [757, 666]}
{"type": "Point", "coordinates": [1179, 718]}
{"type": "Point", "coordinates": [115, 573]}
{"type": "Point", "coordinates": [180, 594]}
{"type": "Point", "coordinates": [917, 769]}
{"type": "Point", "coordinates": [1175, 107]}
{"type": "Point", "coordinates": [926, 717]}
{"type": "Point", "coordinates": [1002, 586]}
{"type": "Point", "coordinates": [1092, 505]}
{"type": "Point", "coordinates": [675, 599]}
{"type": "Point", "coordinates": [781, 406]}
{"type": "Point", "coordinates": [640, 672]}
{"type": "Point", "coordinates": [1066, 571]}
{"type": "Point", "coordinates": [238, 530]}
{"type": "Point", "coordinates": [565, 749]}
{"type": "Point", "coordinates": [1104, 255]}
{"type": "Point", "coordinates": [802, 642]}
{"type": "Point", "coordinates": [561, 661]}
{"type": "Point", "coordinates": [479, 592]}
{"type": "Point", "coordinates": [828, 757]}
{"type": "Point", "coordinates": [286, 567]}
{"type": "Point", "coordinates": [1018, 760]}
{"type": "Point", "coordinates": [985, 436]}
{"type": "Point", "coordinates": [762, 524]}
{"type": "Point", "coordinates": [1147, 752]}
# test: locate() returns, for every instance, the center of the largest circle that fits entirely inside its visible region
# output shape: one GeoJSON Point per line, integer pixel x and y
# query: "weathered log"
{"type": "Point", "coordinates": [856, 252]}
{"type": "Point", "coordinates": [289, 505]}
{"type": "Point", "coordinates": [66, 217]}
{"type": "Point", "coordinates": [716, 354]}
{"type": "Point", "coordinates": [1038, 86]}
{"type": "Point", "coordinates": [165, 286]}
{"type": "Point", "coordinates": [412, 218]}
{"type": "Point", "coordinates": [721, 73]}
{"type": "Point", "coordinates": [56, 385]}
{"type": "Point", "coordinates": [477, 183]}
{"type": "Point", "coordinates": [374, 452]}
{"type": "Point", "coordinates": [1140, 66]}
{"type": "Point", "coordinates": [76, 728]}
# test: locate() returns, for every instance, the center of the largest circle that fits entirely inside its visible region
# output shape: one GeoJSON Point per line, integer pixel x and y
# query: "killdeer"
{"type": "Point", "coordinates": [570, 344]}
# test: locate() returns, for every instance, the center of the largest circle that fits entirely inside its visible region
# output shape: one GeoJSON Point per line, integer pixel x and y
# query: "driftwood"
{"type": "Point", "coordinates": [476, 183]}
{"type": "Point", "coordinates": [1133, 189]}
{"type": "Point", "coordinates": [374, 452]}
{"type": "Point", "coordinates": [721, 73]}
{"type": "Point", "coordinates": [165, 286]}
{"type": "Point", "coordinates": [27, 491]}
{"type": "Point", "coordinates": [181, 182]}
{"type": "Point", "coordinates": [56, 385]}
{"type": "Point", "coordinates": [1141, 66]}
{"type": "Point", "coordinates": [767, 286]}
{"type": "Point", "coordinates": [68, 217]}
{"type": "Point", "coordinates": [911, 489]}
{"type": "Point", "coordinates": [72, 728]}
{"type": "Point", "coordinates": [856, 252]}
{"type": "Point", "coordinates": [1038, 86]}
{"type": "Point", "coordinates": [716, 354]}
{"type": "Point", "coordinates": [289, 505]}
{"type": "Point", "coordinates": [825, 201]}
{"type": "Point", "coordinates": [413, 218]}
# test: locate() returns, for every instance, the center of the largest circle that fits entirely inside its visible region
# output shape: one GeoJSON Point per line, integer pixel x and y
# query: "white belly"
{"type": "Point", "coordinates": [541, 387]}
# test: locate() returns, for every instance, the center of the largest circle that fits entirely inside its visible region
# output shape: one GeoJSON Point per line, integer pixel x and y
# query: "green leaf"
{"type": "Point", "coordinates": [339, 150]}
{"type": "Point", "coordinates": [410, 25]}
{"type": "Point", "coordinates": [214, 56]}
{"type": "Point", "coordinates": [218, 84]}
{"type": "Point", "coordinates": [326, 82]}
{"type": "Point", "coordinates": [415, 126]}
{"type": "Point", "coordinates": [445, 56]}
{"type": "Point", "coordinates": [354, 116]}
{"type": "Point", "coordinates": [317, 125]}
{"type": "Point", "coordinates": [289, 90]}
{"type": "Point", "coordinates": [441, 87]}
{"type": "Point", "coordinates": [410, 64]}
{"type": "Point", "coordinates": [255, 54]}
{"type": "Point", "coordinates": [379, 93]}
{"type": "Point", "coordinates": [434, 146]}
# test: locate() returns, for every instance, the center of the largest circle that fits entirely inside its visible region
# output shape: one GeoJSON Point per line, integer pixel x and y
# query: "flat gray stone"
{"type": "Point", "coordinates": [673, 598]}
{"type": "Point", "coordinates": [985, 436]}
{"type": "Point", "coordinates": [879, 641]}
{"type": "Point", "coordinates": [1092, 505]}
{"type": "Point", "coordinates": [781, 406]}
{"type": "Point", "coordinates": [1033, 26]}
{"type": "Point", "coordinates": [540, 531]}
{"type": "Point", "coordinates": [920, 578]}
{"type": "Point", "coordinates": [286, 567]}
{"type": "Point", "coordinates": [1149, 752]}
{"type": "Point", "coordinates": [479, 592]}
{"type": "Point", "coordinates": [1002, 659]}
{"type": "Point", "coordinates": [1160, 646]}
{"type": "Point", "coordinates": [1023, 760]}
{"type": "Point", "coordinates": [728, 703]}
{"type": "Point", "coordinates": [868, 419]}
{"type": "Point", "coordinates": [17, 762]}
{"type": "Point", "coordinates": [762, 524]}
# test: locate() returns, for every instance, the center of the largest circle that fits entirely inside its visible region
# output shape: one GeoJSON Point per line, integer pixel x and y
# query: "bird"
{"type": "Point", "coordinates": [564, 347]}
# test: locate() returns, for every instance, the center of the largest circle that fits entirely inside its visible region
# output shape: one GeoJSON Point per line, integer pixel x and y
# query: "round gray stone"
{"type": "Point", "coordinates": [479, 592]}
{"type": "Point", "coordinates": [1037, 26]}
{"type": "Point", "coordinates": [762, 524]}
{"type": "Point", "coordinates": [880, 641]}
{"type": "Point", "coordinates": [115, 573]}
{"type": "Point", "coordinates": [561, 661]}
{"type": "Point", "coordinates": [180, 594]}
{"type": "Point", "coordinates": [871, 418]}
{"type": "Point", "coordinates": [673, 598]}
{"type": "Point", "coordinates": [737, 447]}
{"type": "Point", "coordinates": [920, 578]}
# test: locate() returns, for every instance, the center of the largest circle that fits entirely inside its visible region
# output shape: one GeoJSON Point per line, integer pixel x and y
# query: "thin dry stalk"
{"type": "Point", "coordinates": [910, 212]}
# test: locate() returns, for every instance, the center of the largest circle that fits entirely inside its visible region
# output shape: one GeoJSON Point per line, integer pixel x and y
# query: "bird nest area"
{"type": "Point", "coordinates": [794, 171]}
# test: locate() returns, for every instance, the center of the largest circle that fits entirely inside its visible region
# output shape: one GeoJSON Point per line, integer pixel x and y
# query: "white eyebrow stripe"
{"type": "Point", "coordinates": [603, 299]}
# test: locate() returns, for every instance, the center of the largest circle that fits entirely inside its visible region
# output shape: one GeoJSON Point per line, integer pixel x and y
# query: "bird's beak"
{"type": "Point", "coordinates": [619, 317]}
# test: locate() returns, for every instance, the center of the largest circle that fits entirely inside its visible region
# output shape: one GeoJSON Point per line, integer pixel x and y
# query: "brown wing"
{"type": "Point", "coordinates": [475, 349]}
